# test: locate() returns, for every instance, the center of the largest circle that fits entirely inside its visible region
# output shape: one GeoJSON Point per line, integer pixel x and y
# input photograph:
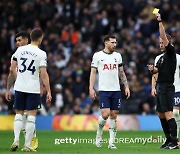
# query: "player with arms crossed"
{"type": "Point", "coordinates": [163, 72]}
{"type": "Point", "coordinates": [21, 39]}
{"type": "Point", "coordinates": [108, 63]}
{"type": "Point", "coordinates": [31, 63]}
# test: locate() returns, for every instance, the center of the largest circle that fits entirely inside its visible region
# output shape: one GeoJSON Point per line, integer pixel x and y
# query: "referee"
{"type": "Point", "coordinates": [163, 72]}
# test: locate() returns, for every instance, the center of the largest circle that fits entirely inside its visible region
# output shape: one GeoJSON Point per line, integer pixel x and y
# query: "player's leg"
{"type": "Point", "coordinates": [34, 141]}
{"type": "Point", "coordinates": [115, 106]}
{"type": "Point", "coordinates": [17, 130]}
{"type": "Point", "coordinates": [30, 128]}
{"type": "Point", "coordinates": [32, 102]}
{"type": "Point", "coordinates": [166, 130]}
{"type": "Point", "coordinates": [19, 108]}
{"type": "Point", "coordinates": [112, 128]}
{"type": "Point", "coordinates": [165, 97]}
{"type": "Point", "coordinates": [104, 103]}
{"type": "Point", "coordinates": [176, 110]}
{"type": "Point", "coordinates": [101, 122]}
{"type": "Point", "coordinates": [168, 107]}
{"type": "Point", "coordinates": [173, 130]}
{"type": "Point", "coordinates": [24, 120]}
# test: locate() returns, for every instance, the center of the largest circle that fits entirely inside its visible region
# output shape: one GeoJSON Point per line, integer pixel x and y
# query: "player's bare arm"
{"type": "Point", "coordinates": [124, 81]}
{"type": "Point", "coordinates": [92, 92]}
{"type": "Point", "coordinates": [153, 88]}
{"type": "Point", "coordinates": [41, 87]}
{"type": "Point", "coordinates": [162, 30]}
{"type": "Point", "coordinates": [45, 78]}
{"type": "Point", "coordinates": [11, 79]}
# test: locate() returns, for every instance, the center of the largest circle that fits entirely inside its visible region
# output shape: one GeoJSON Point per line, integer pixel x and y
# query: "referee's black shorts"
{"type": "Point", "coordinates": [165, 97]}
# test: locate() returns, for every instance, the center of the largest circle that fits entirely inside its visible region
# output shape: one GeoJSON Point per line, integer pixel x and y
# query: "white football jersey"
{"type": "Point", "coordinates": [177, 72]}
{"type": "Point", "coordinates": [157, 58]}
{"type": "Point", "coordinates": [107, 66]}
{"type": "Point", "coordinates": [29, 59]}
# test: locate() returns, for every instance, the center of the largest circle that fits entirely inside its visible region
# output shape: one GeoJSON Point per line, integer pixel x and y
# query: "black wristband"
{"type": "Point", "coordinates": [159, 21]}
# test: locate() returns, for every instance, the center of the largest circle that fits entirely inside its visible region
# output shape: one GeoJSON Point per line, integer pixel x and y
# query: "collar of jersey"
{"type": "Point", "coordinates": [108, 53]}
{"type": "Point", "coordinates": [34, 45]}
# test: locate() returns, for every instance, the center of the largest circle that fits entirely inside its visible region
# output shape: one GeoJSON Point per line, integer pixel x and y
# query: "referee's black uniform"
{"type": "Point", "coordinates": [165, 89]}
{"type": "Point", "coordinates": [165, 94]}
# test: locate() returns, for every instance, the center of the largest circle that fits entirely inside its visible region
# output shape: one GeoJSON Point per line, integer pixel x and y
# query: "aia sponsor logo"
{"type": "Point", "coordinates": [110, 67]}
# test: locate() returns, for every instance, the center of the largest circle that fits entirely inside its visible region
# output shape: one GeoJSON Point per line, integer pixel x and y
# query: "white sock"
{"type": "Point", "coordinates": [24, 120]}
{"type": "Point", "coordinates": [112, 130]}
{"type": "Point", "coordinates": [17, 126]}
{"type": "Point", "coordinates": [30, 127]}
{"type": "Point", "coordinates": [34, 134]}
{"type": "Point", "coordinates": [177, 118]}
{"type": "Point", "coordinates": [101, 123]}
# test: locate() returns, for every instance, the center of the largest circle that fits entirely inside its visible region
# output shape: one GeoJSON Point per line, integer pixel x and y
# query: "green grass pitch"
{"type": "Point", "coordinates": [47, 142]}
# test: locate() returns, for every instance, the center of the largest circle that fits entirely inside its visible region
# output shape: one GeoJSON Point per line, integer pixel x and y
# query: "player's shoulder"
{"type": "Point", "coordinates": [117, 53]}
{"type": "Point", "coordinates": [24, 47]}
{"type": "Point", "coordinates": [21, 47]}
{"type": "Point", "coordinates": [38, 50]}
{"type": "Point", "coordinates": [178, 59]}
{"type": "Point", "coordinates": [158, 56]}
{"type": "Point", "coordinates": [42, 51]}
{"type": "Point", "coordinates": [98, 53]}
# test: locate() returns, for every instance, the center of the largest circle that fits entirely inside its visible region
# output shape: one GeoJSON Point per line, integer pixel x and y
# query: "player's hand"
{"type": "Point", "coordinates": [8, 95]}
{"type": "Point", "coordinates": [92, 94]}
{"type": "Point", "coordinates": [158, 16]}
{"type": "Point", "coordinates": [150, 67]}
{"type": "Point", "coordinates": [153, 92]}
{"type": "Point", "coordinates": [127, 92]}
{"type": "Point", "coordinates": [48, 97]}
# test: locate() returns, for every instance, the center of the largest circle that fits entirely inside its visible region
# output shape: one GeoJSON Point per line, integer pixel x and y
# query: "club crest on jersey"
{"type": "Point", "coordinates": [109, 67]}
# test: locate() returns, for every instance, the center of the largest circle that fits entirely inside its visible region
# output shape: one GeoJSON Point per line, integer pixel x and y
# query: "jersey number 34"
{"type": "Point", "coordinates": [25, 67]}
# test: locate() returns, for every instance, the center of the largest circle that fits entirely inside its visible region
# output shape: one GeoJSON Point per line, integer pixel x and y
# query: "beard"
{"type": "Point", "coordinates": [112, 49]}
{"type": "Point", "coordinates": [162, 49]}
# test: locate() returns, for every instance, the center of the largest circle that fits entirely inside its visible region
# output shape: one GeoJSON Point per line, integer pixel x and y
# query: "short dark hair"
{"type": "Point", "coordinates": [107, 37]}
{"type": "Point", "coordinates": [22, 34]}
{"type": "Point", "coordinates": [36, 34]}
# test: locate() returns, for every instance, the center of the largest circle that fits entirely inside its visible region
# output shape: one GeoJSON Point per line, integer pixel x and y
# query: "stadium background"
{"type": "Point", "coordinates": [73, 32]}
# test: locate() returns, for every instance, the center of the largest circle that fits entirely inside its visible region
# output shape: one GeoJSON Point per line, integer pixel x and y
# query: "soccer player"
{"type": "Point", "coordinates": [108, 63]}
{"type": "Point", "coordinates": [163, 72]}
{"type": "Point", "coordinates": [31, 63]}
{"type": "Point", "coordinates": [21, 39]}
{"type": "Point", "coordinates": [176, 108]}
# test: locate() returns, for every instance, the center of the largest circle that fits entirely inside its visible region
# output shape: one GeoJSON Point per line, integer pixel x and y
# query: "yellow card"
{"type": "Point", "coordinates": [155, 11]}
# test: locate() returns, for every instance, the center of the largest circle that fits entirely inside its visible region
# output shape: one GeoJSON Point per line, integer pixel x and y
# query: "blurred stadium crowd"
{"type": "Point", "coordinates": [73, 32]}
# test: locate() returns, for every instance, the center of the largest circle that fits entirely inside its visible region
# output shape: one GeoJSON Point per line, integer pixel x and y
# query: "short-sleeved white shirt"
{"type": "Point", "coordinates": [177, 72]}
{"type": "Point", "coordinates": [29, 59]}
{"type": "Point", "coordinates": [107, 66]}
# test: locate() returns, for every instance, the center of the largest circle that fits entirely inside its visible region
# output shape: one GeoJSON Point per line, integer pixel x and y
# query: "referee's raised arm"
{"type": "Point", "coordinates": [162, 30]}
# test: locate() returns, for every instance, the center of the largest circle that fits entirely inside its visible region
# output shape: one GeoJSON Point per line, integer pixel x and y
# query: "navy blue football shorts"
{"type": "Point", "coordinates": [26, 101]}
{"type": "Point", "coordinates": [177, 99]}
{"type": "Point", "coordinates": [110, 99]}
